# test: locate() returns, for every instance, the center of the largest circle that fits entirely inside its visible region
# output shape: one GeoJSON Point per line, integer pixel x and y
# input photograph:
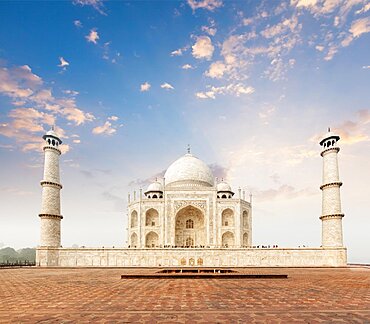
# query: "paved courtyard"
{"type": "Point", "coordinates": [99, 295]}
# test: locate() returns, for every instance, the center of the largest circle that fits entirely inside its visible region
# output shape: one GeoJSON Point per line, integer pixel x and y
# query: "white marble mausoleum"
{"type": "Point", "coordinates": [188, 209]}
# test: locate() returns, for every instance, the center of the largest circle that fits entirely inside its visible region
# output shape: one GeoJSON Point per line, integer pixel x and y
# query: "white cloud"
{"type": "Point", "coordinates": [209, 30]}
{"type": "Point", "coordinates": [204, 4]}
{"type": "Point", "coordinates": [360, 26]}
{"type": "Point", "coordinates": [320, 48]}
{"type": "Point", "coordinates": [303, 3]}
{"type": "Point", "coordinates": [366, 67]}
{"type": "Point", "coordinates": [216, 70]}
{"type": "Point", "coordinates": [78, 23]}
{"type": "Point", "coordinates": [177, 52]}
{"type": "Point", "coordinates": [71, 92]}
{"type": "Point", "coordinates": [167, 86]}
{"type": "Point", "coordinates": [203, 48]}
{"type": "Point", "coordinates": [63, 62]}
{"type": "Point", "coordinates": [93, 36]}
{"type": "Point", "coordinates": [96, 4]}
{"type": "Point", "coordinates": [113, 118]}
{"type": "Point", "coordinates": [145, 87]}
{"type": "Point", "coordinates": [180, 51]}
{"type": "Point", "coordinates": [26, 89]}
{"type": "Point", "coordinates": [352, 131]}
{"type": "Point", "coordinates": [18, 82]}
{"type": "Point", "coordinates": [364, 9]}
{"type": "Point", "coordinates": [285, 26]}
{"type": "Point", "coordinates": [106, 129]}
{"type": "Point", "coordinates": [205, 95]}
{"type": "Point", "coordinates": [187, 67]}
{"type": "Point", "coordinates": [247, 21]}
{"type": "Point", "coordinates": [231, 89]}
{"type": "Point", "coordinates": [331, 52]}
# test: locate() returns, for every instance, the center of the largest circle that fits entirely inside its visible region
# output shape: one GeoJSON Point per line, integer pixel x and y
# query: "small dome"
{"type": "Point", "coordinates": [189, 170]}
{"type": "Point", "coordinates": [51, 133]}
{"type": "Point", "coordinates": [155, 187]}
{"type": "Point", "coordinates": [223, 186]}
{"type": "Point", "coordinates": [329, 135]}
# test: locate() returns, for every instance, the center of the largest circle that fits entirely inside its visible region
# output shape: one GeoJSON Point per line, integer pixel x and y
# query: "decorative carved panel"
{"type": "Point", "coordinates": [178, 204]}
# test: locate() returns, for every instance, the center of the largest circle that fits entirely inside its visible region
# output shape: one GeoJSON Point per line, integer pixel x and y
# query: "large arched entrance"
{"type": "Point", "coordinates": [189, 227]}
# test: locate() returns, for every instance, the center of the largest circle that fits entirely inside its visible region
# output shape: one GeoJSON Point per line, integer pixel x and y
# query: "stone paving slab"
{"type": "Point", "coordinates": [41, 295]}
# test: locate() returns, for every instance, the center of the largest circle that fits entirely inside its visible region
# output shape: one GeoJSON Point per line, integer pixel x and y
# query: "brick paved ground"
{"type": "Point", "coordinates": [99, 295]}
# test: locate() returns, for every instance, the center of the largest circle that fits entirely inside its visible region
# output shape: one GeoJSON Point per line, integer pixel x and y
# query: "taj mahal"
{"type": "Point", "coordinates": [188, 219]}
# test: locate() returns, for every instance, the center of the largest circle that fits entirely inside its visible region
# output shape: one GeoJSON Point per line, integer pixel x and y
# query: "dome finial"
{"type": "Point", "coordinates": [188, 149]}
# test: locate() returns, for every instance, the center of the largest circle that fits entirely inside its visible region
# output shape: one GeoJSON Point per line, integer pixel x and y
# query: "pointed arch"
{"type": "Point", "coordinates": [245, 239]}
{"type": "Point", "coordinates": [189, 227]}
{"type": "Point", "coordinates": [134, 240]}
{"type": "Point", "coordinates": [151, 240]}
{"type": "Point", "coordinates": [228, 217]}
{"type": "Point", "coordinates": [245, 218]}
{"type": "Point", "coordinates": [151, 217]}
{"type": "Point", "coordinates": [228, 239]}
{"type": "Point", "coordinates": [134, 218]}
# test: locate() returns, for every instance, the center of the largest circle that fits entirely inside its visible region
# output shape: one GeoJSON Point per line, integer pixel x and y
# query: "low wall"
{"type": "Point", "coordinates": [210, 257]}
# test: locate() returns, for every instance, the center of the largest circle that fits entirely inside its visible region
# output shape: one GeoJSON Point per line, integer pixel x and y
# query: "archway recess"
{"type": "Point", "coordinates": [190, 227]}
{"type": "Point", "coordinates": [228, 239]}
{"type": "Point", "coordinates": [151, 240]}
{"type": "Point", "coordinates": [134, 240]}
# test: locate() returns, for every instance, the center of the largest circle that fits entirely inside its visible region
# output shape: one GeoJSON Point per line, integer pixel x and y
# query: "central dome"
{"type": "Point", "coordinates": [189, 171]}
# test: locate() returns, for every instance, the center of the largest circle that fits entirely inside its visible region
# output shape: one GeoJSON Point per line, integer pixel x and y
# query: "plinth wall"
{"type": "Point", "coordinates": [211, 257]}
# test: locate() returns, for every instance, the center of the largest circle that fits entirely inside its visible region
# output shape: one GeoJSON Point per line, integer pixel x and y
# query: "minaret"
{"type": "Point", "coordinates": [331, 205]}
{"type": "Point", "coordinates": [50, 210]}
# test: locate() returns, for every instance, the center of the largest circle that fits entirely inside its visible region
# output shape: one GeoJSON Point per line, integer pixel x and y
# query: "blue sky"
{"type": "Point", "coordinates": [250, 85]}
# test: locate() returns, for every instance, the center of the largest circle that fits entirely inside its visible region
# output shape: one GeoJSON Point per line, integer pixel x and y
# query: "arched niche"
{"type": "Point", "coordinates": [228, 239]}
{"type": "Point", "coordinates": [134, 240]}
{"type": "Point", "coordinates": [245, 240]}
{"type": "Point", "coordinates": [151, 240]}
{"type": "Point", "coordinates": [245, 218]}
{"type": "Point", "coordinates": [151, 217]}
{"type": "Point", "coordinates": [134, 219]}
{"type": "Point", "coordinates": [228, 217]}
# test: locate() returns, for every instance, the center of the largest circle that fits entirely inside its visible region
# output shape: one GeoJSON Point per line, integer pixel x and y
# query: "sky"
{"type": "Point", "coordinates": [252, 86]}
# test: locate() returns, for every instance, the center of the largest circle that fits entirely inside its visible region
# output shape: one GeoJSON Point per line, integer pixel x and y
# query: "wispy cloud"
{"type": "Point", "coordinates": [63, 63]}
{"type": "Point", "coordinates": [167, 86]}
{"type": "Point", "coordinates": [352, 131]}
{"type": "Point", "coordinates": [211, 31]}
{"type": "Point", "coordinates": [106, 129]}
{"type": "Point", "coordinates": [187, 67]}
{"type": "Point", "coordinates": [237, 90]}
{"type": "Point", "coordinates": [37, 106]}
{"type": "Point", "coordinates": [18, 82]}
{"type": "Point", "coordinates": [179, 51]}
{"type": "Point", "coordinates": [145, 86]}
{"type": "Point", "coordinates": [78, 23]}
{"type": "Point", "coordinates": [204, 4]}
{"type": "Point", "coordinates": [96, 4]}
{"type": "Point", "coordinates": [93, 36]}
{"type": "Point", "coordinates": [284, 192]}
